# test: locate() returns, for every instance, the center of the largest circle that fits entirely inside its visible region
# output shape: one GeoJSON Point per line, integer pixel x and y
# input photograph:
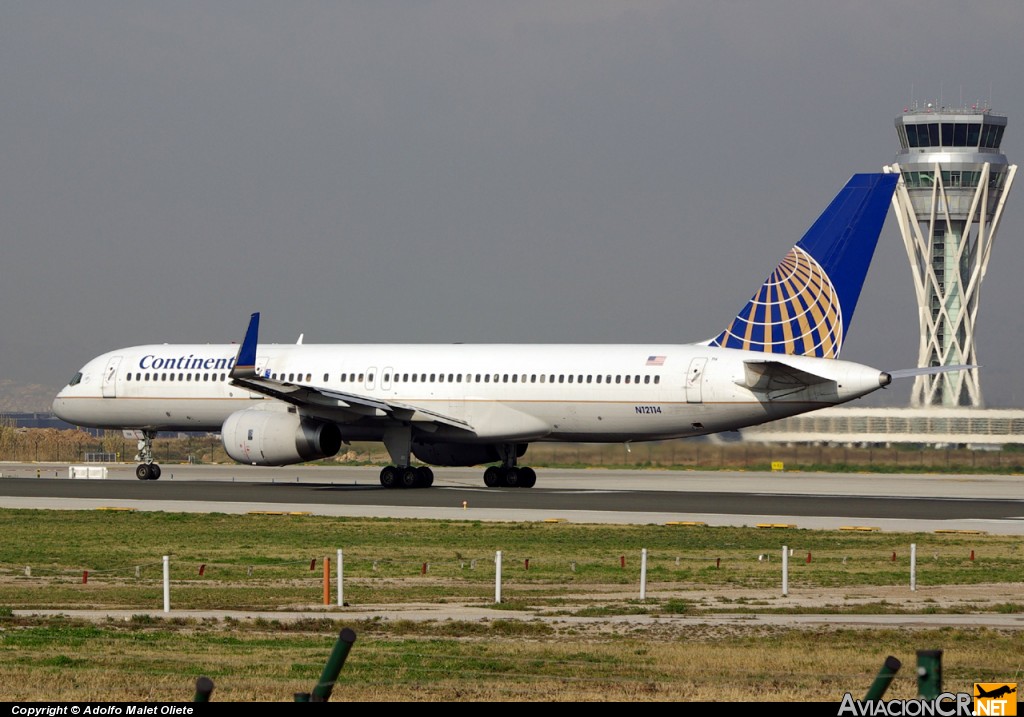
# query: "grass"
{"type": "Point", "coordinates": [575, 629]}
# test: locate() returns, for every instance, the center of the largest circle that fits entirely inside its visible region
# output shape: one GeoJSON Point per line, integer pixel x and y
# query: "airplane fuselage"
{"type": "Point", "coordinates": [593, 393]}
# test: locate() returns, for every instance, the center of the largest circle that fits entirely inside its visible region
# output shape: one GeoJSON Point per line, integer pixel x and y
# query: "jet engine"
{"type": "Point", "coordinates": [276, 438]}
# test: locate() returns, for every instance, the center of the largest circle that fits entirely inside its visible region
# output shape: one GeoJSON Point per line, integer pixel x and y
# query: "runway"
{"type": "Point", "coordinates": [905, 503]}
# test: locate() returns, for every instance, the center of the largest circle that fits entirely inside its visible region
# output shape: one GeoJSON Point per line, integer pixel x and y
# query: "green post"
{"type": "Point", "coordinates": [929, 673]}
{"type": "Point", "coordinates": [885, 677]}
{"type": "Point", "coordinates": [204, 688]}
{"type": "Point", "coordinates": [343, 645]}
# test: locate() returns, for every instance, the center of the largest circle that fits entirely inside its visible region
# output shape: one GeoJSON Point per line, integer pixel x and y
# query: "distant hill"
{"type": "Point", "coordinates": [19, 397]}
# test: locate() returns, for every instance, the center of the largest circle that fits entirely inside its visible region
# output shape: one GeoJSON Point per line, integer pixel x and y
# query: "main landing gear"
{"type": "Point", "coordinates": [408, 477]}
{"type": "Point", "coordinates": [510, 477]}
{"type": "Point", "coordinates": [147, 469]}
{"type": "Point", "coordinates": [398, 441]}
{"type": "Point", "coordinates": [508, 474]}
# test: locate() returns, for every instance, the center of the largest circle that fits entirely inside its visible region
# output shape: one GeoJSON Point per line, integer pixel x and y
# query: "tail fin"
{"type": "Point", "coordinates": [805, 306]}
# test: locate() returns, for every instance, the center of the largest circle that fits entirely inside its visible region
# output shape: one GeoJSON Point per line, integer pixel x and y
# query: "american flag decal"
{"type": "Point", "coordinates": [655, 360]}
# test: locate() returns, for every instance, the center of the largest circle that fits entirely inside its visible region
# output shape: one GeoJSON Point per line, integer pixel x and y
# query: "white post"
{"type": "Point", "coordinates": [643, 574]}
{"type": "Point", "coordinates": [341, 570]}
{"type": "Point", "coordinates": [497, 577]}
{"type": "Point", "coordinates": [785, 571]}
{"type": "Point", "coordinates": [913, 567]}
{"type": "Point", "coordinates": [167, 583]}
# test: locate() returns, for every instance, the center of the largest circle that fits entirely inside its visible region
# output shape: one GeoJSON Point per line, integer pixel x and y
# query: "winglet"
{"type": "Point", "coordinates": [245, 361]}
{"type": "Point", "coordinates": [805, 306]}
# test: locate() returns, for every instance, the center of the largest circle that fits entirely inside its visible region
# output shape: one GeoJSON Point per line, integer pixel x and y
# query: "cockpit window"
{"type": "Point", "coordinates": [76, 379]}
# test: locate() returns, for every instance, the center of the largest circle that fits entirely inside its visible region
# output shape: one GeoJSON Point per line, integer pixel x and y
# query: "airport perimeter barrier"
{"type": "Point", "coordinates": [89, 472]}
{"type": "Point", "coordinates": [300, 580]}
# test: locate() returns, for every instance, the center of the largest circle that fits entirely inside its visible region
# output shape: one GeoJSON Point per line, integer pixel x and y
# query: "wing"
{"type": "Point", "coordinates": [325, 402]}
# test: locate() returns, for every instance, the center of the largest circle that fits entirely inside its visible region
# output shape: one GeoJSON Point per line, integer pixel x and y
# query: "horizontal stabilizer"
{"type": "Point", "coordinates": [929, 370]}
{"type": "Point", "coordinates": [777, 376]}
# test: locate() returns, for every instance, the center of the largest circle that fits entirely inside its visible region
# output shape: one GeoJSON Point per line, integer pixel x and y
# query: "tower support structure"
{"type": "Point", "coordinates": [954, 181]}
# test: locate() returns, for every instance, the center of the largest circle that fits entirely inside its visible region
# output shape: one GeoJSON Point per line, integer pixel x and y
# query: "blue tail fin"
{"type": "Point", "coordinates": [805, 306]}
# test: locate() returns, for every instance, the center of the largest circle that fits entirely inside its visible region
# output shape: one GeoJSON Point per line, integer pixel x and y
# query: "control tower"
{"type": "Point", "coordinates": [948, 202]}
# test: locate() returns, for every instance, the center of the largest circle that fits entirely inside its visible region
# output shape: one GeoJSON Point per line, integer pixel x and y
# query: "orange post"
{"type": "Point", "coordinates": [85, 575]}
{"type": "Point", "coordinates": [327, 581]}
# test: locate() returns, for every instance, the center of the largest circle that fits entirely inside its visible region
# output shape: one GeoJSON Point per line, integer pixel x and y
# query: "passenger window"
{"type": "Point", "coordinates": [647, 379]}
{"type": "Point", "coordinates": [515, 378]}
{"type": "Point", "coordinates": [599, 378]}
{"type": "Point", "coordinates": [561, 378]}
{"type": "Point", "coordinates": [618, 379]}
{"type": "Point", "coordinates": [657, 379]}
{"type": "Point", "coordinates": [450, 377]}
{"type": "Point", "coordinates": [627, 379]}
{"type": "Point", "coordinates": [570, 378]}
{"type": "Point", "coordinates": [128, 377]}
{"type": "Point", "coordinates": [325, 378]}
{"type": "Point", "coordinates": [433, 377]}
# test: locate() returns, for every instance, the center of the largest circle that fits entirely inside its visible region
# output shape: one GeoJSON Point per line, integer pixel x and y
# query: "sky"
{"type": "Point", "coordinates": [577, 171]}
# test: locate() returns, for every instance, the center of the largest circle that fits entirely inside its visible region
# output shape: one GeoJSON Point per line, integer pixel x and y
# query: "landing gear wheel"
{"type": "Point", "coordinates": [492, 477]}
{"type": "Point", "coordinates": [409, 477]}
{"type": "Point", "coordinates": [527, 477]}
{"type": "Point", "coordinates": [142, 471]}
{"type": "Point", "coordinates": [426, 476]}
{"type": "Point", "coordinates": [154, 471]}
{"type": "Point", "coordinates": [389, 477]}
{"type": "Point", "coordinates": [511, 477]}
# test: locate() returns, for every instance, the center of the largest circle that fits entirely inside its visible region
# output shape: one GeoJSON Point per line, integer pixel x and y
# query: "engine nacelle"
{"type": "Point", "coordinates": [459, 454]}
{"type": "Point", "coordinates": [277, 438]}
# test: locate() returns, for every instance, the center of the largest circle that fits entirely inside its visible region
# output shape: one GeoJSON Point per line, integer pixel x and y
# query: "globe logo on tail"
{"type": "Point", "coordinates": [796, 311]}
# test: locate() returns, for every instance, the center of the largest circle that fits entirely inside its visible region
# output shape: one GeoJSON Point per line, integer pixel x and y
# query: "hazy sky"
{"type": "Point", "coordinates": [466, 171]}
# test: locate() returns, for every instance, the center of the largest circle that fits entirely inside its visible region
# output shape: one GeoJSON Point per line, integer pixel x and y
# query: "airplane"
{"type": "Point", "coordinates": [467, 405]}
{"type": "Point", "coordinates": [995, 693]}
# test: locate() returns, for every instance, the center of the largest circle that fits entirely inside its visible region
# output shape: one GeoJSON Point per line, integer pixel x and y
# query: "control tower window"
{"type": "Point", "coordinates": [973, 133]}
{"type": "Point", "coordinates": [960, 135]}
{"type": "Point", "coordinates": [911, 130]}
{"type": "Point", "coordinates": [947, 134]}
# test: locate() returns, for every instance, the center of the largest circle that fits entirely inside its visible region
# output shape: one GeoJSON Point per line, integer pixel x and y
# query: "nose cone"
{"type": "Point", "coordinates": [59, 407]}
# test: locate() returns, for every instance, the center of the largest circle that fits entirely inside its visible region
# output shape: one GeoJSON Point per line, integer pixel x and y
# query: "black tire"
{"type": "Point", "coordinates": [511, 477]}
{"type": "Point", "coordinates": [409, 477]}
{"type": "Point", "coordinates": [527, 477]}
{"type": "Point", "coordinates": [389, 477]}
{"type": "Point", "coordinates": [142, 471]}
{"type": "Point", "coordinates": [492, 477]}
{"type": "Point", "coordinates": [154, 471]}
{"type": "Point", "coordinates": [426, 476]}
